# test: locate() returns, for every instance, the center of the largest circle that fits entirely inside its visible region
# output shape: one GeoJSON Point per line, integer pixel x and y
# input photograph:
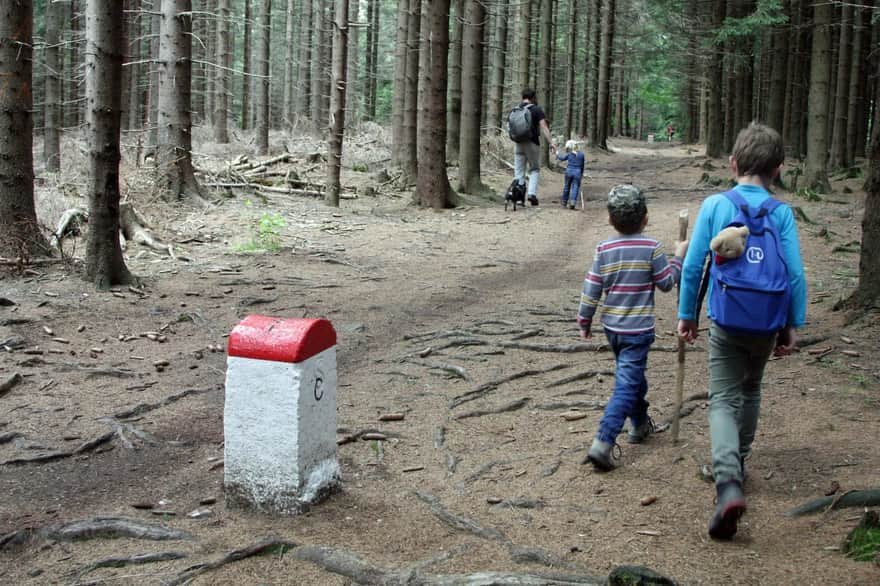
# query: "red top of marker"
{"type": "Point", "coordinates": [281, 340]}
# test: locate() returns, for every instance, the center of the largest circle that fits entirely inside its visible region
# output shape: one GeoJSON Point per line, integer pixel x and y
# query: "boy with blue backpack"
{"type": "Point", "coordinates": [755, 303]}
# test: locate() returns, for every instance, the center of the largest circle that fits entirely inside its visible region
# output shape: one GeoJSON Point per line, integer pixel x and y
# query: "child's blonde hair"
{"type": "Point", "coordinates": [570, 145]}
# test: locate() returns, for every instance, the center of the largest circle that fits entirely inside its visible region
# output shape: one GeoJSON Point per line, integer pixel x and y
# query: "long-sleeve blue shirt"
{"type": "Point", "coordinates": [716, 212]}
{"type": "Point", "coordinates": [576, 162]}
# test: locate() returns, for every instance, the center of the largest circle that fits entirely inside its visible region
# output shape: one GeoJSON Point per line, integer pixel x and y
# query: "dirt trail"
{"type": "Point", "coordinates": [429, 308]}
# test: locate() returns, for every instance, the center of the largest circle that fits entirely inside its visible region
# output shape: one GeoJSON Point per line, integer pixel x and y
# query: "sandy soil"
{"type": "Point", "coordinates": [396, 281]}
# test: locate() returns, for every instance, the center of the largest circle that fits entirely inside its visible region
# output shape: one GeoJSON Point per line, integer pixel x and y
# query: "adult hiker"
{"type": "Point", "coordinates": [525, 124]}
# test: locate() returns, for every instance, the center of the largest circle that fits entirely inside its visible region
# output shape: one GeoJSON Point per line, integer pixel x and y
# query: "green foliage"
{"type": "Point", "coordinates": [767, 13]}
{"type": "Point", "coordinates": [267, 233]}
{"type": "Point", "coordinates": [863, 543]}
{"type": "Point", "coordinates": [808, 194]}
{"type": "Point", "coordinates": [360, 167]}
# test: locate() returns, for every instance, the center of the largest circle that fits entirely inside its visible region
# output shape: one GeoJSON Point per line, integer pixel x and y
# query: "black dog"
{"type": "Point", "coordinates": [516, 193]}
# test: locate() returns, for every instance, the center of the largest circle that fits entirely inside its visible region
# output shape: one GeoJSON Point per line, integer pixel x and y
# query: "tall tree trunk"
{"type": "Point", "coordinates": [837, 156]}
{"type": "Point", "coordinates": [472, 96]}
{"type": "Point", "coordinates": [174, 150]}
{"type": "Point", "coordinates": [868, 290]}
{"type": "Point", "coordinates": [153, 115]}
{"type": "Point", "coordinates": [353, 97]}
{"type": "Point", "coordinates": [816, 172]}
{"type": "Point", "coordinates": [134, 90]}
{"type": "Point", "coordinates": [618, 114]}
{"type": "Point", "coordinates": [52, 96]}
{"type": "Point", "coordinates": [432, 184]}
{"type": "Point", "coordinates": [200, 90]}
{"type": "Point", "coordinates": [398, 97]}
{"type": "Point", "coordinates": [318, 31]}
{"type": "Point", "coordinates": [287, 84]}
{"type": "Point", "coordinates": [715, 129]}
{"type": "Point", "coordinates": [370, 65]}
{"type": "Point", "coordinates": [585, 19]}
{"type": "Point", "coordinates": [453, 113]}
{"type": "Point", "coordinates": [545, 72]}
{"type": "Point", "coordinates": [246, 67]}
{"type": "Point", "coordinates": [497, 68]}
{"type": "Point", "coordinates": [409, 147]}
{"type": "Point", "coordinates": [570, 77]}
{"type": "Point", "coordinates": [603, 107]}
{"type": "Point", "coordinates": [262, 98]}
{"type": "Point", "coordinates": [524, 37]}
{"type": "Point", "coordinates": [855, 97]}
{"type": "Point", "coordinates": [376, 23]}
{"type": "Point", "coordinates": [595, 11]}
{"type": "Point", "coordinates": [337, 102]}
{"type": "Point", "coordinates": [221, 74]}
{"type": "Point", "coordinates": [72, 117]}
{"type": "Point", "coordinates": [304, 79]}
{"type": "Point", "coordinates": [20, 234]}
{"type": "Point", "coordinates": [779, 64]}
{"type": "Point", "coordinates": [105, 44]}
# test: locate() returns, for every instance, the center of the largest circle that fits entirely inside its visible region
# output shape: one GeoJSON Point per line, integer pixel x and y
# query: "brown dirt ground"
{"type": "Point", "coordinates": [383, 271]}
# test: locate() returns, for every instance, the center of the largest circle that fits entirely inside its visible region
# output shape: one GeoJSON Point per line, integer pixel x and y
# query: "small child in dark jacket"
{"type": "Point", "coordinates": [574, 171]}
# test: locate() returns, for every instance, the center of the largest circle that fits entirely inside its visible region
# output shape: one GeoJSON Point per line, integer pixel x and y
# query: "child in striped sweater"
{"type": "Point", "coordinates": [627, 268]}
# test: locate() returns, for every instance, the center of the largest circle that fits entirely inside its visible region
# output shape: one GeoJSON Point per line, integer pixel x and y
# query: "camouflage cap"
{"type": "Point", "coordinates": [625, 197]}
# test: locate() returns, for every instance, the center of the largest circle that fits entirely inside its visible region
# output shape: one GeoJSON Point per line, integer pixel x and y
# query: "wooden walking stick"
{"type": "Point", "coordinates": [679, 378]}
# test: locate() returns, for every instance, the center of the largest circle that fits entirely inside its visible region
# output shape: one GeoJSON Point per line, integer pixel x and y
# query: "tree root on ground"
{"type": "Point", "coordinates": [684, 411]}
{"type": "Point", "coordinates": [10, 382]}
{"type": "Point", "coordinates": [580, 347]}
{"type": "Point", "coordinates": [852, 498]}
{"type": "Point", "coordinates": [262, 547]}
{"type": "Point", "coordinates": [121, 562]}
{"type": "Point", "coordinates": [513, 406]}
{"type": "Point", "coordinates": [578, 377]}
{"type": "Point", "coordinates": [490, 386]}
{"type": "Point", "coordinates": [98, 527]}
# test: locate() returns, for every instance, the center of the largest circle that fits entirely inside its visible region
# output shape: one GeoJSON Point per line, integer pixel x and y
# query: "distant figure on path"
{"type": "Point", "coordinates": [523, 125]}
{"type": "Point", "coordinates": [574, 172]}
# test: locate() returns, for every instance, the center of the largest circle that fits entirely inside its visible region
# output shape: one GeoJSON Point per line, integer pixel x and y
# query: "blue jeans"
{"type": "Point", "coordinates": [630, 384]}
{"type": "Point", "coordinates": [571, 189]}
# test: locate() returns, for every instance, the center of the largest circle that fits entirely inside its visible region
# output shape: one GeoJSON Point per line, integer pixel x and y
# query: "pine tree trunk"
{"type": "Point", "coordinates": [105, 44]}
{"type": "Point", "coordinates": [618, 115]}
{"type": "Point", "coordinates": [472, 96]}
{"type": "Point", "coordinates": [318, 120]}
{"type": "Point", "coordinates": [868, 290]}
{"type": "Point", "coordinates": [816, 173]}
{"type": "Point", "coordinates": [174, 149]}
{"type": "Point", "coordinates": [398, 97]}
{"type": "Point", "coordinates": [855, 98]}
{"type": "Point", "coordinates": [246, 67]}
{"type": "Point", "coordinates": [593, 68]}
{"type": "Point", "coordinates": [584, 18]}
{"type": "Point", "coordinates": [453, 113]}
{"type": "Point", "coordinates": [134, 90]}
{"type": "Point", "coordinates": [72, 117]}
{"type": "Point", "coordinates": [353, 97]}
{"type": "Point", "coordinates": [52, 97]}
{"type": "Point", "coordinates": [199, 90]}
{"type": "Point", "coordinates": [495, 112]}
{"type": "Point", "coordinates": [20, 234]}
{"type": "Point", "coordinates": [370, 65]}
{"type": "Point", "coordinates": [409, 152]}
{"type": "Point", "coordinates": [287, 84]}
{"type": "Point", "coordinates": [432, 184]}
{"type": "Point", "coordinates": [263, 96]}
{"type": "Point", "coordinates": [691, 71]}
{"type": "Point", "coordinates": [221, 74]}
{"type": "Point", "coordinates": [837, 156]}
{"type": "Point", "coordinates": [545, 73]}
{"type": "Point", "coordinates": [304, 78]}
{"type": "Point", "coordinates": [524, 35]}
{"type": "Point", "coordinates": [715, 128]}
{"type": "Point", "coordinates": [779, 63]}
{"type": "Point", "coordinates": [570, 78]}
{"type": "Point", "coordinates": [603, 103]}
{"type": "Point", "coordinates": [153, 106]}
{"type": "Point", "coordinates": [337, 102]}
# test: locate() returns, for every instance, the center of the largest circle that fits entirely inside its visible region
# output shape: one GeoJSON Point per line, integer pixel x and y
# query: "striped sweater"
{"type": "Point", "coordinates": [627, 268]}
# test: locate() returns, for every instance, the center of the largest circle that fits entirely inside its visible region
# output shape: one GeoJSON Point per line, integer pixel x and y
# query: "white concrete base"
{"type": "Point", "coordinates": [280, 433]}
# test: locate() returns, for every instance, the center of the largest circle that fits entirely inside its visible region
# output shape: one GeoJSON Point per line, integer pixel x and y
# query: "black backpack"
{"type": "Point", "coordinates": [519, 123]}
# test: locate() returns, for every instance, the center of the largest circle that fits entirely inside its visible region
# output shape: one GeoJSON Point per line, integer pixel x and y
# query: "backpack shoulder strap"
{"type": "Point", "coordinates": [737, 200]}
{"type": "Point", "coordinates": [770, 204]}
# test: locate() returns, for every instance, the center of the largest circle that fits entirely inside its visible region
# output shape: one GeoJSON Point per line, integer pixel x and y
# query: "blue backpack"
{"type": "Point", "coordinates": [751, 294]}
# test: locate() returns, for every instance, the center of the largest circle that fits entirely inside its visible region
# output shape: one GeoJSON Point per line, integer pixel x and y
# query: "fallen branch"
{"type": "Point", "coordinates": [853, 498]}
{"type": "Point", "coordinates": [577, 377]}
{"type": "Point", "coordinates": [452, 369]}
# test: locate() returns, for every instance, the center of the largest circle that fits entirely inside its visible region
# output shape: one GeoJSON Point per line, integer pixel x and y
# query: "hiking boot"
{"type": "Point", "coordinates": [533, 199]}
{"type": "Point", "coordinates": [571, 207]}
{"type": "Point", "coordinates": [601, 456]}
{"type": "Point", "coordinates": [564, 202]}
{"type": "Point", "coordinates": [731, 505]}
{"type": "Point", "coordinates": [638, 434]}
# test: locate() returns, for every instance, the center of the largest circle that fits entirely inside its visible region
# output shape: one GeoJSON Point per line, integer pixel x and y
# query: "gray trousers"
{"type": "Point", "coordinates": [527, 159]}
{"type": "Point", "coordinates": [736, 367]}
